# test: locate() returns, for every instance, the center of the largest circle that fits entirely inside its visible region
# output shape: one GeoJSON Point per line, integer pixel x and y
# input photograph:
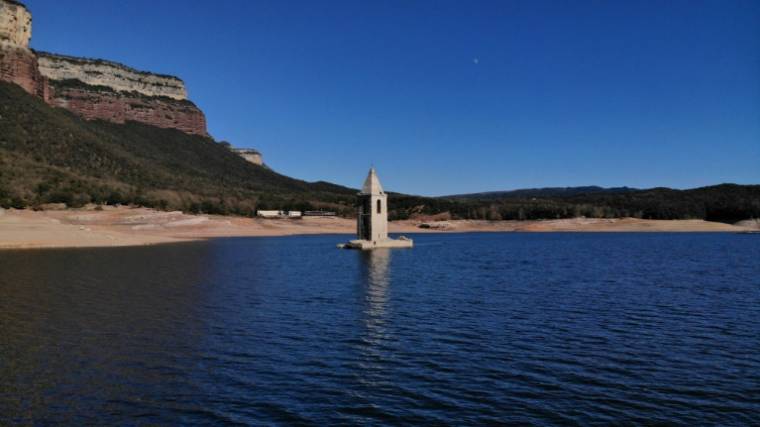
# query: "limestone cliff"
{"type": "Point", "coordinates": [18, 64]}
{"type": "Point", "coordinates": [110, 74]}
{"type": "Point", "coordinates": [105, 90]}
{"type": "Point", "coordinates": [91, 88]}
{"type": "Point", "coordinates": [250, 155]}
{"type": "Point", "coordinates": [15, 24]}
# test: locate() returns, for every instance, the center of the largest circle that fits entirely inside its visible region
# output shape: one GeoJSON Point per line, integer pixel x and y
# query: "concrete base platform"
{"type": "Point", "coordinates": [365, 245]}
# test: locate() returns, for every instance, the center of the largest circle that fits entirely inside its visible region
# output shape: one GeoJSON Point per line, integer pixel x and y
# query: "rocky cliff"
{"type": "Point", "coordinates": [105, 103]}
{"type": "Point", "coordinates": [250, 155]}
{"type": "Point", "coordinates": [93, 89]}
{"type": "Point", "coordinates": [96, 72]}
{"type": "Point", "coordinates": [15, 24]}
{"type": "Point", "coordinates": [18, 64]}
{"type": "Point", "coordinates": [105, 90]}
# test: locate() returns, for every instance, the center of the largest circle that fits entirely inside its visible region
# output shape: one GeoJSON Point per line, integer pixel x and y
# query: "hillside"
{"type": "Point", "coordinates": [49, 155]}
{"type": "Point", "coordinates": [725, 202]}
{"type": "Point", "coordinates": [547, 192]}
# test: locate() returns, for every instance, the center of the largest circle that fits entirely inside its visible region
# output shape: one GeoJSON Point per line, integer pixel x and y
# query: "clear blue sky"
{"type": "Point", "coordinates": [453, 97]}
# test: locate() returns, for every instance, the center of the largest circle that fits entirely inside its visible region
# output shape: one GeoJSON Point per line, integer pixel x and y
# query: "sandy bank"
{"type": "Point", "coordinates": [139, 226]}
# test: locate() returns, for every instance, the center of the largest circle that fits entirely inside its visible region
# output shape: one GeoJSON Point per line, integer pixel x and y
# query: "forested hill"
{"type": "Point", "coordinates": [48, 155]}
{"type": "Point", "coordinates": [725, 202]}
{"type": "Point", "coordinates": [547, 192]}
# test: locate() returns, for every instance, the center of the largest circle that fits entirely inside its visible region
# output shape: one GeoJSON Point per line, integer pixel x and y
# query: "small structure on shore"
{"type": "Point", "coordinates": [279, 214]}
{"type": "Point", "coordinates": [372, 221]}
{"type": "Point", "coordinates": [320, 213]}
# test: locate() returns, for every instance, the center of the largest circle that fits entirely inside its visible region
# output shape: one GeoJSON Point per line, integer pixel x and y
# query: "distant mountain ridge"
{"type": "Point", "coordinates": [544, 192]}
{"type": "Point", "coordinates": [723, 202]}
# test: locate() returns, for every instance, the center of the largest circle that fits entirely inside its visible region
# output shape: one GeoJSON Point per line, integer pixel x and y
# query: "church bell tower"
{"type": "Point", "coordinates": [373, 210]}
{"type": "Point", "coordinates": [372, 221]}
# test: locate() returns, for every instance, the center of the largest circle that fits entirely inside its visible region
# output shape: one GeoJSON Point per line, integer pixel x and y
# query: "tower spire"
{"type": "Point", "coordinates": [372, 184]}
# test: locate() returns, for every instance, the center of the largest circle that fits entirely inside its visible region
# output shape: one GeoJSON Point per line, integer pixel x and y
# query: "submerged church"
{"type": "Point", "coordinates": [372, 219]}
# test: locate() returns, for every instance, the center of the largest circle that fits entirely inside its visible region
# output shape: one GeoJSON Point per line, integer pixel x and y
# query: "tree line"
{"type": "Point", "coordinates": [49, 155]}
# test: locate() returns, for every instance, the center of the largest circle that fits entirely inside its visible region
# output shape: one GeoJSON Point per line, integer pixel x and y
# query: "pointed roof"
{"type": "Point", "coordinates": [372, 184]}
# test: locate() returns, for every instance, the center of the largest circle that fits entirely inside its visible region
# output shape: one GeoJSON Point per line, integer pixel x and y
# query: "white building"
{"type": "Point", "coordinates": [269, 214]}
{"type": "Point", "coordinates": [279, 214]}
{"type": "Point", "coordinates": [372, 219]}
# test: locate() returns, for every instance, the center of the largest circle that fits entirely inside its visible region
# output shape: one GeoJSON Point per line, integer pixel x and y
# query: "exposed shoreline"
{"type": "Point", "coordinates": [123, 226]}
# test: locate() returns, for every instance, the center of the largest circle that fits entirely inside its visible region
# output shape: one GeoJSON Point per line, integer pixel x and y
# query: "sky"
{"type": "Point", "coordinates": [450, 97]}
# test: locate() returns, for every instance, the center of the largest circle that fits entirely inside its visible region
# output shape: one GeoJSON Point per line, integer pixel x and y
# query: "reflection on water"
{"type": "Point", "coordinates": [376, 265]}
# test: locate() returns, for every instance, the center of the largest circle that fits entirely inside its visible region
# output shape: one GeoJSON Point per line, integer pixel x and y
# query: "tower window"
{"type": "Point", "coordinates": [379, 206]}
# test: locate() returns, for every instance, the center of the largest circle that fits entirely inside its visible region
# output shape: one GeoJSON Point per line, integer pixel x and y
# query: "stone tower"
{"type": "Point", "coordinates": [373, 210]}
{"type": "Point", "coordinates": [372, 221]}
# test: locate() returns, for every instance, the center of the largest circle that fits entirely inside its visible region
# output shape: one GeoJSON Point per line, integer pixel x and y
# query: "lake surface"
{"type": "Point", "coordinates": [541, 329]}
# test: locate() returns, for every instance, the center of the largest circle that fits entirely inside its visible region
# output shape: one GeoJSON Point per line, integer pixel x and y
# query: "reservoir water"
{"type": "Point", "coordinates": [475, 329]}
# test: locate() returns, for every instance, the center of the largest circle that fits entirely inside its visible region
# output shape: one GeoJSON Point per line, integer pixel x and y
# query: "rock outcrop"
{"type": "Point", "coordinates": [91, 88]}
{"type": "Point", "coordinates": [250, 155]}
{"type": "Point", "coordinates": [15, 24]}
{"type": "Point", "coordinates": [18, 64]}
{"type": "Point", "coordinates": [97, 72]}
{"type": "Point", "coordinates": [104, 103]}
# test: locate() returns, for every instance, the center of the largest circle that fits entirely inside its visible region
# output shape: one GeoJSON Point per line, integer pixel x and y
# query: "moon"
{"type": "Point", "coordinates": [476, 61]}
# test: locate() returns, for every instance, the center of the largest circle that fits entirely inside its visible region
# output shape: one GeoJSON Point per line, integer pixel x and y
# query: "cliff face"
{"type": "Point", "coordinates": [15, 24]}
{"type": "Point", "coordinates": [110, 74]}
{"type": "Point", "coordinates": [97, 89]}
{"type": "Point", "coordinates": [104, 103]}
{"type": "Point", "coordinates": [93, 89]}
{"type": "Point", "coordinates": [250, 155]}
{"type": "Point", "coordinates": [18, 64]}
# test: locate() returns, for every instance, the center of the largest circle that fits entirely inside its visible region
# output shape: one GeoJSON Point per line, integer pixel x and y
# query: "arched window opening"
{"type": "Point", "coordinates": [379, 206]}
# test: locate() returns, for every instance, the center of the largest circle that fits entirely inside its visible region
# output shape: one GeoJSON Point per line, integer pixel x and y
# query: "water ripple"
{"type": "Point", "coordinates": [543, 329]}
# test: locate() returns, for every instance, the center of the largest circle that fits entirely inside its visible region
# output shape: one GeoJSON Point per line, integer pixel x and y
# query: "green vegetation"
{"type": "Point", "coordinates": [542, 193]}
{"type": "Point", "coordinates": [78, 84]}
{"type": "Point", "coordinates": [726, 202]}
{"type": "Point", "coordinates": [62, 85]}
{"type": "Point", "coordinates": [48, 155]}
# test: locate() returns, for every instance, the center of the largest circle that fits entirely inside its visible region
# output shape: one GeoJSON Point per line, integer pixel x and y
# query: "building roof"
{"type": "Point", "coordinates": [372, 184]}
